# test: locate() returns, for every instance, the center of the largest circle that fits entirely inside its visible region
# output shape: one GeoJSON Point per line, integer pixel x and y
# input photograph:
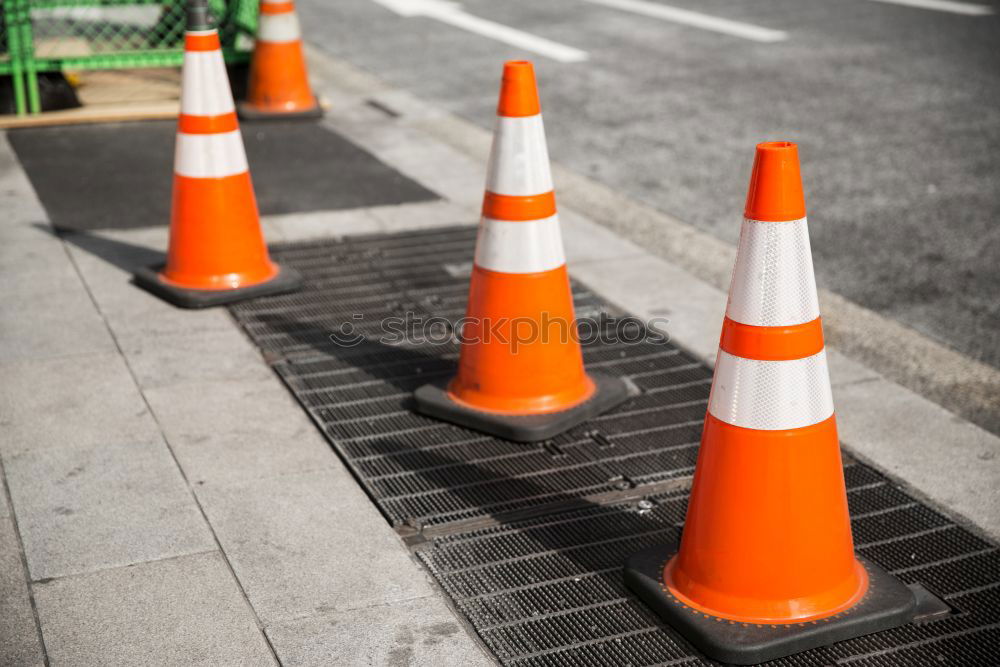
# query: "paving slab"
{"type": "Point", "coordinates": [107, 260]}
{"type": "Point", "coordinates": [237, 431]}
{"type": "Point", "coordinates": [20, 645]}
{"type": "Point", "coordinates": [845, 371]}
{"type": "Point", "coordinates": [89, 508]}
{"type": "Point", "coordinates": [65, 402]}
{"type": "Point", "coordinates": [320, 224]}
{"type": "Point", "coordinates": [21, 207]}
{"type": "Point", "coordinates": [24, 265]}
{"type": "Point", "coordinates": [689, 311]}
{"type": "Point", "coordinates": [68, 325]}
{"type": "Point", "coordinates": [586, 241]}
{"type": "Point", "coordinates": [31, 253]}
{"type": "Point", "coordinates": [181, 611]}
{"type": "Point", "coordinates": [111, 254]}
{"type": "Point", "coordinates": [424, 215]}
{"type": "Point", "coordinates": [164, 345]}
{"type": "Point", "coordinates": [210, 354]}
{"type": "Point", "coordinates": [39, 273]}
{"type": "Point", "coordinates": [410, 633]}
{"type": "Point", "coordinates": [944, 457]}
{"type": "Point", "coordinates": [310, 543]}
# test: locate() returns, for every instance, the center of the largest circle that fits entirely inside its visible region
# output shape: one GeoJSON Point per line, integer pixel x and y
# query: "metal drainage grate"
{"type": "Point", "coordinates": [548, 591]}
{"type": "Point", "coordinates": [421, 471]}
{"type": "Point", "coordinates": [528, 540]}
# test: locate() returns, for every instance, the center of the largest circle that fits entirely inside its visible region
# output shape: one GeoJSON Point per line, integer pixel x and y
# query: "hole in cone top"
{"type": "Point", "coordinates": [518, 92]}
{"type": "Point", "coordinates": [775, 192]}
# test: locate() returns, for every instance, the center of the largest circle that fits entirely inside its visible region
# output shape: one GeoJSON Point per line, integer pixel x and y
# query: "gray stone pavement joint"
{"type": "Point", "coordinates": [82, 509]}
{"type": "Point", "coordinates": [422, 631]}
{"type": "Point", "coordinates": [309, 544]}
{"type": "Point", "coordinates": [179, 611]}
{"type": "Point", "coordinates": [21, 644]}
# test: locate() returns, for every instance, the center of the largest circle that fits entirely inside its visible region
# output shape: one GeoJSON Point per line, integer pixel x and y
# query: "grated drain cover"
{"type": "Point", "coordinates": [528, 540]}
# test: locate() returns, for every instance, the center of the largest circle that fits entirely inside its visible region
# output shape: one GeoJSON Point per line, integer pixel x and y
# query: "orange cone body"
{"type": "Point", "coordinates": [279, 80]}
{"type": "Point", "coordinates": [543, 376]}
{"type": "Point", "coordinates": [217, 252]}
{"type": "Point", "coordinates": [520, 353]}
{"type": "Point", "coordinates": [215, 236]}
{"type": "Point", "coordinates": [766, 564]}
{"type": "Point", "coordinates": [519, 273]}
{"type": "Point", "coordinates": [769, 485]}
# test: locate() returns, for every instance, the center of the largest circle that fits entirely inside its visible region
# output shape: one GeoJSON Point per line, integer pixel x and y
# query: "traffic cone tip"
{"type": "Point", "coordinates": [775, 192]}
{"type": "Point", "coordinates": [518, 90]}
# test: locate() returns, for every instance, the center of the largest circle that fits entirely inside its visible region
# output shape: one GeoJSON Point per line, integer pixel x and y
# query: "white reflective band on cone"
{"type": "Point", "coordinates": [522, 246]}
{"type": "Point", "coordinates": [773, 283]}
{"type": "Point", "coordinates": [205, 85]}
{"type": "Point", "coordinates": [519, 160]}
{"type": "Point", "coordinates": [210, 155]}
{"type": "Point", "coordinates": [275, 28]}
{"type": "Point", "coordinates": [771, 395]}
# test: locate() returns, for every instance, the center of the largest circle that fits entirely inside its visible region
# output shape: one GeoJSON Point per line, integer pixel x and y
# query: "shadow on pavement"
{"type": "Point", "coordinates": [126, 256]}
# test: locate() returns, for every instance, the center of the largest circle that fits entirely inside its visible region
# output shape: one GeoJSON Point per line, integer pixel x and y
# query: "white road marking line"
{"type": "Point", "coordinates": [965, 8]}
{"type": "Point", "coordinates": [696, 19]}
{"type": "Point", "coordinates": [453, 14]}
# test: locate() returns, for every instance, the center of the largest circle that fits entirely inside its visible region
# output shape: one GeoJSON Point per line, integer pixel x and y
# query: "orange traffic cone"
{"type": "Point", "coordinates": [279, 83]}
{"type": "Point", "coordinates": [217, 253]}
{"type": "Point", "coordinates": [766, 565]}
{"type": "Point", "coordinates": [520, 371]}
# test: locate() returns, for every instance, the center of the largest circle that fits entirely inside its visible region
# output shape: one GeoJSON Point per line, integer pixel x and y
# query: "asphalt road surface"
{"type": "Point", "coordinates": [895, 105]}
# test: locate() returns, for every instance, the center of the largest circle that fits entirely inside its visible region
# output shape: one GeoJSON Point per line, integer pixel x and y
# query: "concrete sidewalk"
{"type": "Point", "coordinates": [166, 501]}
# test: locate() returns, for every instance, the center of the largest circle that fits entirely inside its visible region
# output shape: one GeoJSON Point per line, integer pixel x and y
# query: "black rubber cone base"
{"type": "Point", "coordinates": [887, 604]}
{"type": "Point", "coordinates": [287, 280]}
{"type": "Point", "coordinates": [250, 113]}
{"type": "Point", "coordinates": [433, 400]}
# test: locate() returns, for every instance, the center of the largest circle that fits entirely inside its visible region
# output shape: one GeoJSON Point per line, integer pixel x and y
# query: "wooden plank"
{"type": "Point", "coordinates": [98, 113]}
